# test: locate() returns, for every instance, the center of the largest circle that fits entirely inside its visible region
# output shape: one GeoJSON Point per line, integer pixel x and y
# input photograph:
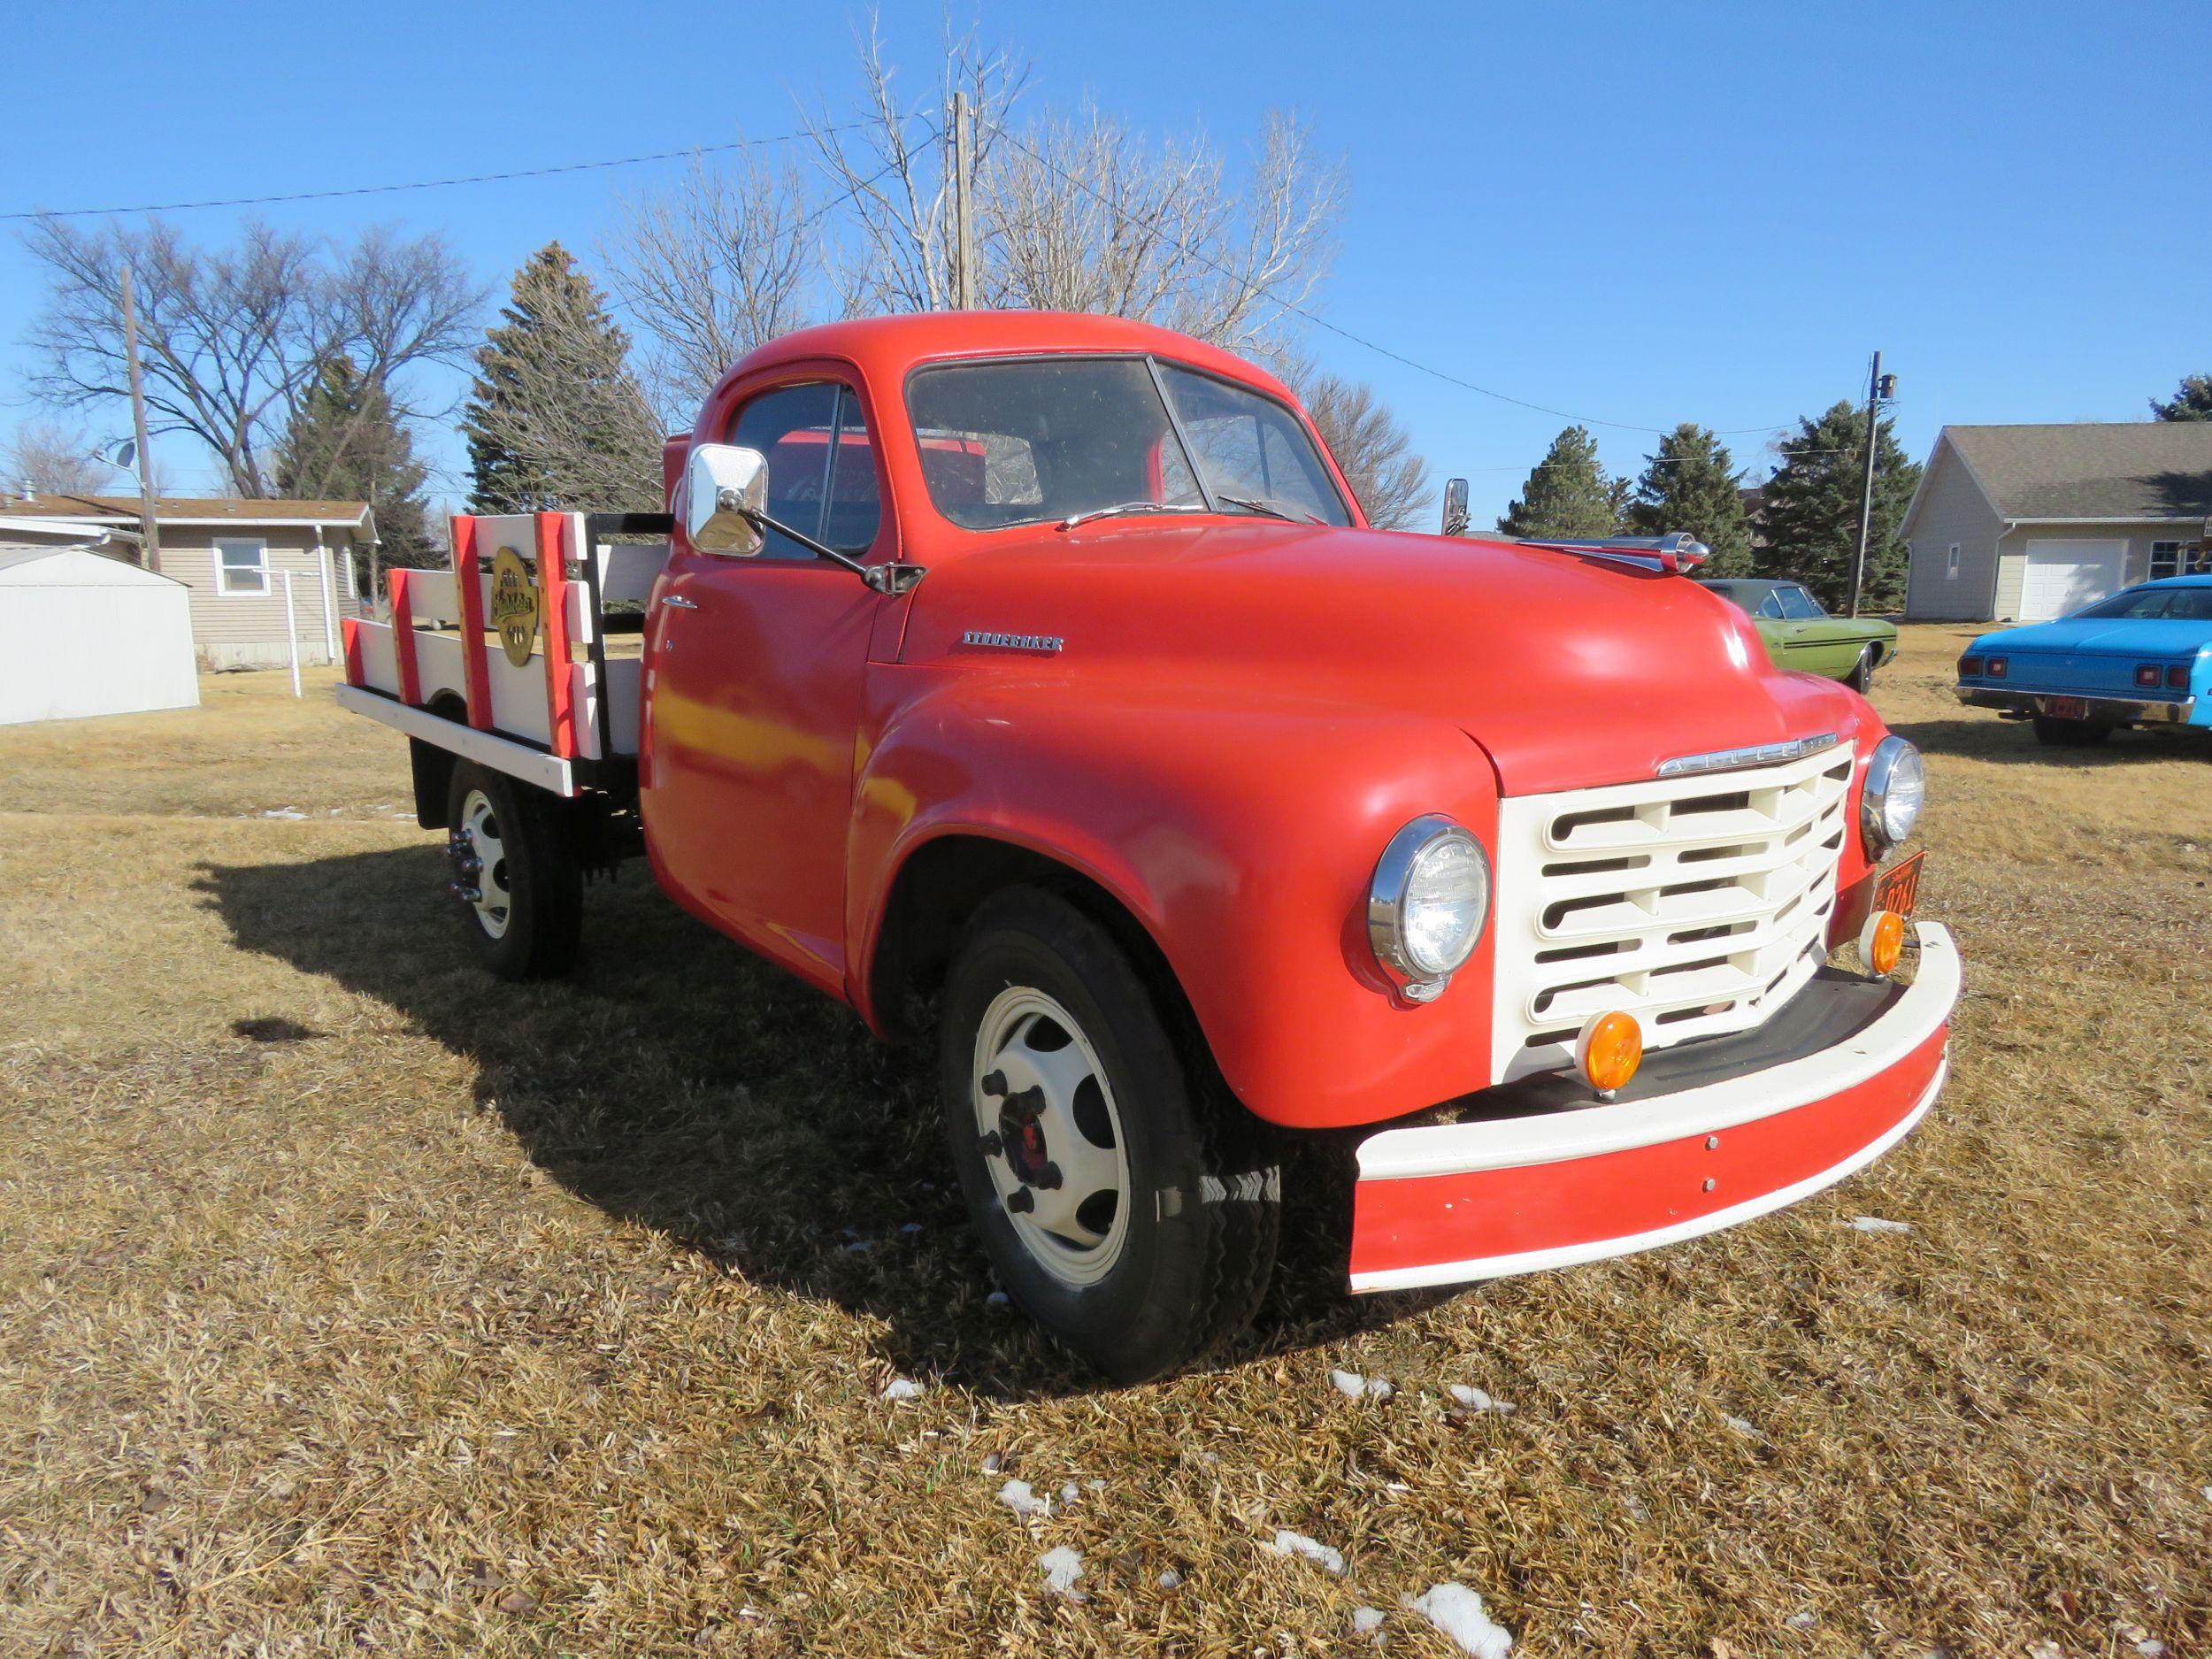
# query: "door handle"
{"type": "Point", "coordinates": [677, 602]}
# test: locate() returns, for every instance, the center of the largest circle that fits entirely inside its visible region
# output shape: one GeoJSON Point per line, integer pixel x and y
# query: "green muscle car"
{"type": "Point", "coordinates": [1800, 635]}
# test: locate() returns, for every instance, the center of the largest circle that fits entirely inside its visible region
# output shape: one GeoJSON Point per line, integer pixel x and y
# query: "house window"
{"type": "Point", "coordinates": [1951, 564]}
{"type": "Point", "coordinates": [242, 567]}
{"type": "Point", "coordinates": [2165, 558]}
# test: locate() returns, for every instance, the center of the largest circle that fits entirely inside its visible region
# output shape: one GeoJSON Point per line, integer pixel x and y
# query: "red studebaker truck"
{"type": "Point", "coordinates": [1036, 681]}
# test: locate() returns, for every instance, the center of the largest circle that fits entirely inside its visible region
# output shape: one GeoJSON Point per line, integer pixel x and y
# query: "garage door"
{"type": "Point", "coordinates": [2063, 576]}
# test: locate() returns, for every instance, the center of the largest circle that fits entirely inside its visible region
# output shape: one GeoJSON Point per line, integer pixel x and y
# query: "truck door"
{"type": "Point", "coordinates": [755, 691]}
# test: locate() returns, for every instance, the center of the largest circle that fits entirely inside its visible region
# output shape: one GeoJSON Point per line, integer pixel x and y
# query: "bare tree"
{"type": "Point", "coordinates": [232, 338]}
{"type": "Point", "coordinates": [1082, 215]}
{"type": "Point", "coordinates": [53, 461]}
{"type": "Point", "coordinates": [710, 270]}
{"type": "Point", "coordinates": [1373, 450]}
{"type": "Point", "coordinates": [893, 184]}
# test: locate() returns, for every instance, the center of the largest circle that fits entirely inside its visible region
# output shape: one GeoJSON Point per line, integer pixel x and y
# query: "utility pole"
{"type": "Point", "coordinates": [1877, 387]}
{"type": "Point", "coordinates": [150, 547]}
{"type": "Point", "coordinates": [963, 146]}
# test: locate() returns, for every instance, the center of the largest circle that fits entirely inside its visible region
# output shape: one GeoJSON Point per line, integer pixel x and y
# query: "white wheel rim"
{"type": "Point", "coordinates": [492, 900]}
{"type": "Point", "coordinates": [1074, 1229]}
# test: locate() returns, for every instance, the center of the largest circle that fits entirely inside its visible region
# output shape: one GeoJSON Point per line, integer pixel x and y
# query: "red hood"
{"type": "Point", "coordinates": [1568, 671]}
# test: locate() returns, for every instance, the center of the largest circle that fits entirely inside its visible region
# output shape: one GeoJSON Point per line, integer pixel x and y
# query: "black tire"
{"type": "Point", "coordinates": [1861, 678]}
{"type": "Point", "coordinates": [538, 936]}
{"type": "Point", "coordinates": [2070, 734]}
{"type": "Point", "coordinates": [1203, 1194]}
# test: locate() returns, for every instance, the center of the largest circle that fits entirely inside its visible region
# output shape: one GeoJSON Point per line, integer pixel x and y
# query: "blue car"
{"type": "Point", "coordinates": [2141, 657]}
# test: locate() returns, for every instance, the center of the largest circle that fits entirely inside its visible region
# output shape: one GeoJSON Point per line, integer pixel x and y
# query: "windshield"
{"type": "Point", "coordinates": [2141, 604]}
{"type": "Point", "coordinates": [1045, 439]}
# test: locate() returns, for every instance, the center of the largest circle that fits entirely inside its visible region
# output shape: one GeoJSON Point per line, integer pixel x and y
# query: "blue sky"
{"type": "Point", "coordinates": [1632, 214]}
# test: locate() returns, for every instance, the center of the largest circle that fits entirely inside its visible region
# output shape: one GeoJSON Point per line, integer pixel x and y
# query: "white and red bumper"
{"type": "Point", "coordinates": [1705, 1137]}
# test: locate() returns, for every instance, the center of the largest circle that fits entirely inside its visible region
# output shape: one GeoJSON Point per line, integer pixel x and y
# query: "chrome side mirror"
{"type": "Point", "coordinates": [1454, 506]}
{"type": "Point", "coordinates": [726, 493]}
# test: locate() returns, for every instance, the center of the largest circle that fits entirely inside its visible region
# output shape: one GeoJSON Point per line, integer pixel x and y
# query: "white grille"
{"type": "Point", "coordinates": [1699, 905]}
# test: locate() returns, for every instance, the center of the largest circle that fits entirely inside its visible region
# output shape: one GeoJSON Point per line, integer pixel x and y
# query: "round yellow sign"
{"type": "Point", "coordinates": [514, 606]}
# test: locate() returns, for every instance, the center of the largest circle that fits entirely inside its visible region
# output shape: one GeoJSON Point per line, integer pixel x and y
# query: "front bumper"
{"type": "Point", "coordinates": [2105, 710]}
{"type": "Point", "coordinates": [1707, 1135]}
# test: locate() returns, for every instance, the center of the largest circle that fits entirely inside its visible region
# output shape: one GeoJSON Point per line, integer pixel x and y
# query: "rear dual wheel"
{"type": "Point", "coordinates": [1126, 1204]}
{"type": "Point", "coordinates": [516, 873]}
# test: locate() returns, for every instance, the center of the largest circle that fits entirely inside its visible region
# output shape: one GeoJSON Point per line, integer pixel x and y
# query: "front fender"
{"type": "Point", "coordinates": [1239, 834]}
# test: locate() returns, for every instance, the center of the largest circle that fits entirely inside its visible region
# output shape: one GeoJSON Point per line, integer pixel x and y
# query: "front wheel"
{"type": "Point", "coordinates": [1861, 678]}
{"type": "Point", "coordinates": [1127, 1206]}
{"type": "Point", "coordinates": [516, 873]}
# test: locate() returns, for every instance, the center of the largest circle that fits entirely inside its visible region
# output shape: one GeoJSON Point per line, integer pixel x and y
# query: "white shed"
{"type": "Point", "coordinates": [83, 633]}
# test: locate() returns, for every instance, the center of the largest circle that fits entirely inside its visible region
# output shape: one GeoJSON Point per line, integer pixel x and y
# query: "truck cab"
{"type": "Point", "coordinates": [1034, 684]}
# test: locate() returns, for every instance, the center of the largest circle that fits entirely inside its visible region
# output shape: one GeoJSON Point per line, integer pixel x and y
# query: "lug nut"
{"type": "Point", "coordinates": [991, 1144]}
{"type": "Point", "coordinates": [993, 1083]}
{"type": "Point", "coordinates": [1030, 1102]}
{"type": "Point", "coordinates": [1021, 1200]}
{"type": "Point", "coordinates": [1048, 1176]}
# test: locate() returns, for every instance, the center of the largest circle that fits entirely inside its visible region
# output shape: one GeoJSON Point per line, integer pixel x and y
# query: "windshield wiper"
{"type": "Point", "coordinates": [1267, 508]}
{"type": "Point", "coordinates": [1074, 519]}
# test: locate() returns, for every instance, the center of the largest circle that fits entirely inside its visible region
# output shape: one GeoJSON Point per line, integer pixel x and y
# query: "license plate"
{"type": "Point", "coordinates": [2066, 708]}
{"type": "Point", "coordinates": [1898, 888]}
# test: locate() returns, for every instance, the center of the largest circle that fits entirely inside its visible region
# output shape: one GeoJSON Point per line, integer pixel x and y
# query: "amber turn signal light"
{"type": "Point", "coordinates": [1882, 941]}
{"type": "Point", "coordinates": [1608, 1050]}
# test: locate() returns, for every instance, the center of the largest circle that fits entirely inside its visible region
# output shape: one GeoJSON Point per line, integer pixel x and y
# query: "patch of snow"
{"type": "Point", "coordinates": [284, 812]}
{"type": "Point", "coordinates": [1803, 1620]}
{"type": "Point", "coordinates": [1171, 1579]}
{"type": "Point", "coordinates": [993, 1463]}
{"type": "Point", "coordinates": [1068, 1493]}
{"type": "Point", "coordinates": [1875, 1224]}
{"type": "Point", "coordinates": [1062, 1567]}
{"type": "Point", "coordinates": [1096, 1486]}
{"type": "Point", "coordinates": [1739, 1425]}
{"type": "Point", "coordinates": [1366, 1620]}
{"type": "Point", "coordinates": [1289, 1543]}
{"type": "Point", "coordinates": [2150, 1647]}
{"type": "Point", "coordinates": [1475, 1400]}
{"type": "Point", "coordinates": [859, 1247]}
{"type": "Point", "coordinates": [1457, 1611]}
{"type": "Point", "coordinates": [903, 1389]}
{"type": "Point", "coordinates": [910, 1226]}
{"type": "Point", "coordinates": [1021, 1497]}
{"type": "Point", "coordinates": [997, 1299]}
{"type": "Point", "coordinates": [1352, 1385]}
{"type": "Point", "coordinates": [2045, 1651]}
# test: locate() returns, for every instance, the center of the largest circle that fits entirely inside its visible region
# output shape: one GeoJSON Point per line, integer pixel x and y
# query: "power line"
{"type": "Point", "coordinates": [1320, 321]}
{"type": "Point", "coordinates": [428, 184]}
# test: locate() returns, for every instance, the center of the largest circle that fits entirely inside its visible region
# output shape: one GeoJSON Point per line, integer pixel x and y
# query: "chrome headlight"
{"type": "Point", "coordinates": [1896, 783]}
{"type": "Point", "coordinates": [1427, 905]}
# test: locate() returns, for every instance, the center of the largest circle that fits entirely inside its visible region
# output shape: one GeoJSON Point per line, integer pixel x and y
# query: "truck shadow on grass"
{"type": "Point", "coordinates": [2012, 743]}
{"type": "Point", "coordinates": [679, 1082]}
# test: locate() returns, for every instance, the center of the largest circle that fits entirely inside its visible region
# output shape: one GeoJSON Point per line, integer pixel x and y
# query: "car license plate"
{"type": "Point", "coordinates": [1898, 888]}
{"type": "Point", "coordinates": [2066, 708]}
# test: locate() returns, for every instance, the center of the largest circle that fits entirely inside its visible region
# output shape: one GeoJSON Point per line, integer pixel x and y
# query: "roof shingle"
{"type": "Point", "coordinates": [185, 507]}
{"type": "Point", "coordinates": [2142, 469]}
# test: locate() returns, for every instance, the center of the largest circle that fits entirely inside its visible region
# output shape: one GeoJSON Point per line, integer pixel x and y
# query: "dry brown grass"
{"type": "Point", "coordinates": [348, 1300]}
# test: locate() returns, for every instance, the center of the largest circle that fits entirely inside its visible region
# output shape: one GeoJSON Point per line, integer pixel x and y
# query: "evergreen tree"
{"type": "Point", "coordinates": [1811, 515]}
{"type": "Point", "coordinates": [2192, 402]}
{"type": "Point", "coordinates": [344, 443]}
{"type": "Point", "coordinates": [1567, 495]}
{"type": "Point", "coordinates": [555, 418]}
{"type": "Point", "coordinates": [1691, 484]}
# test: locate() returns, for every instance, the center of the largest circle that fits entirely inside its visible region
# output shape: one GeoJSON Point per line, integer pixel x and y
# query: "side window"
{"type": "Point", "coordinates": [1800, 606]}
{"type": "Point", "coordinates": [821, 465]}
{"type": "Point", "coordinates": [1770, 607]}
{"type": "Point", "coordinates": [1951, 563]}
{"type": "Point", "coordinates": [241, 566]}
{"type": "Point", "coordinates": [2165, 559]}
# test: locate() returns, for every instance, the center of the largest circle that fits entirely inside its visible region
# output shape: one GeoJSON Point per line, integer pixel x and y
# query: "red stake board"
{"type": "Point", "coordinates": [468, 593]}
{"type": "Point", "coordinates": [560, 711]}
{"type": "Point", "coordinates": [401, 582]}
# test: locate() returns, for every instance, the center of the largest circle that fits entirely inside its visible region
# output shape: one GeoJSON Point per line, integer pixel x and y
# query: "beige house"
{"type": "Point", "coordinates": [232, 555]}
{"type": "Point", "coordinates": [2022, 523]}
